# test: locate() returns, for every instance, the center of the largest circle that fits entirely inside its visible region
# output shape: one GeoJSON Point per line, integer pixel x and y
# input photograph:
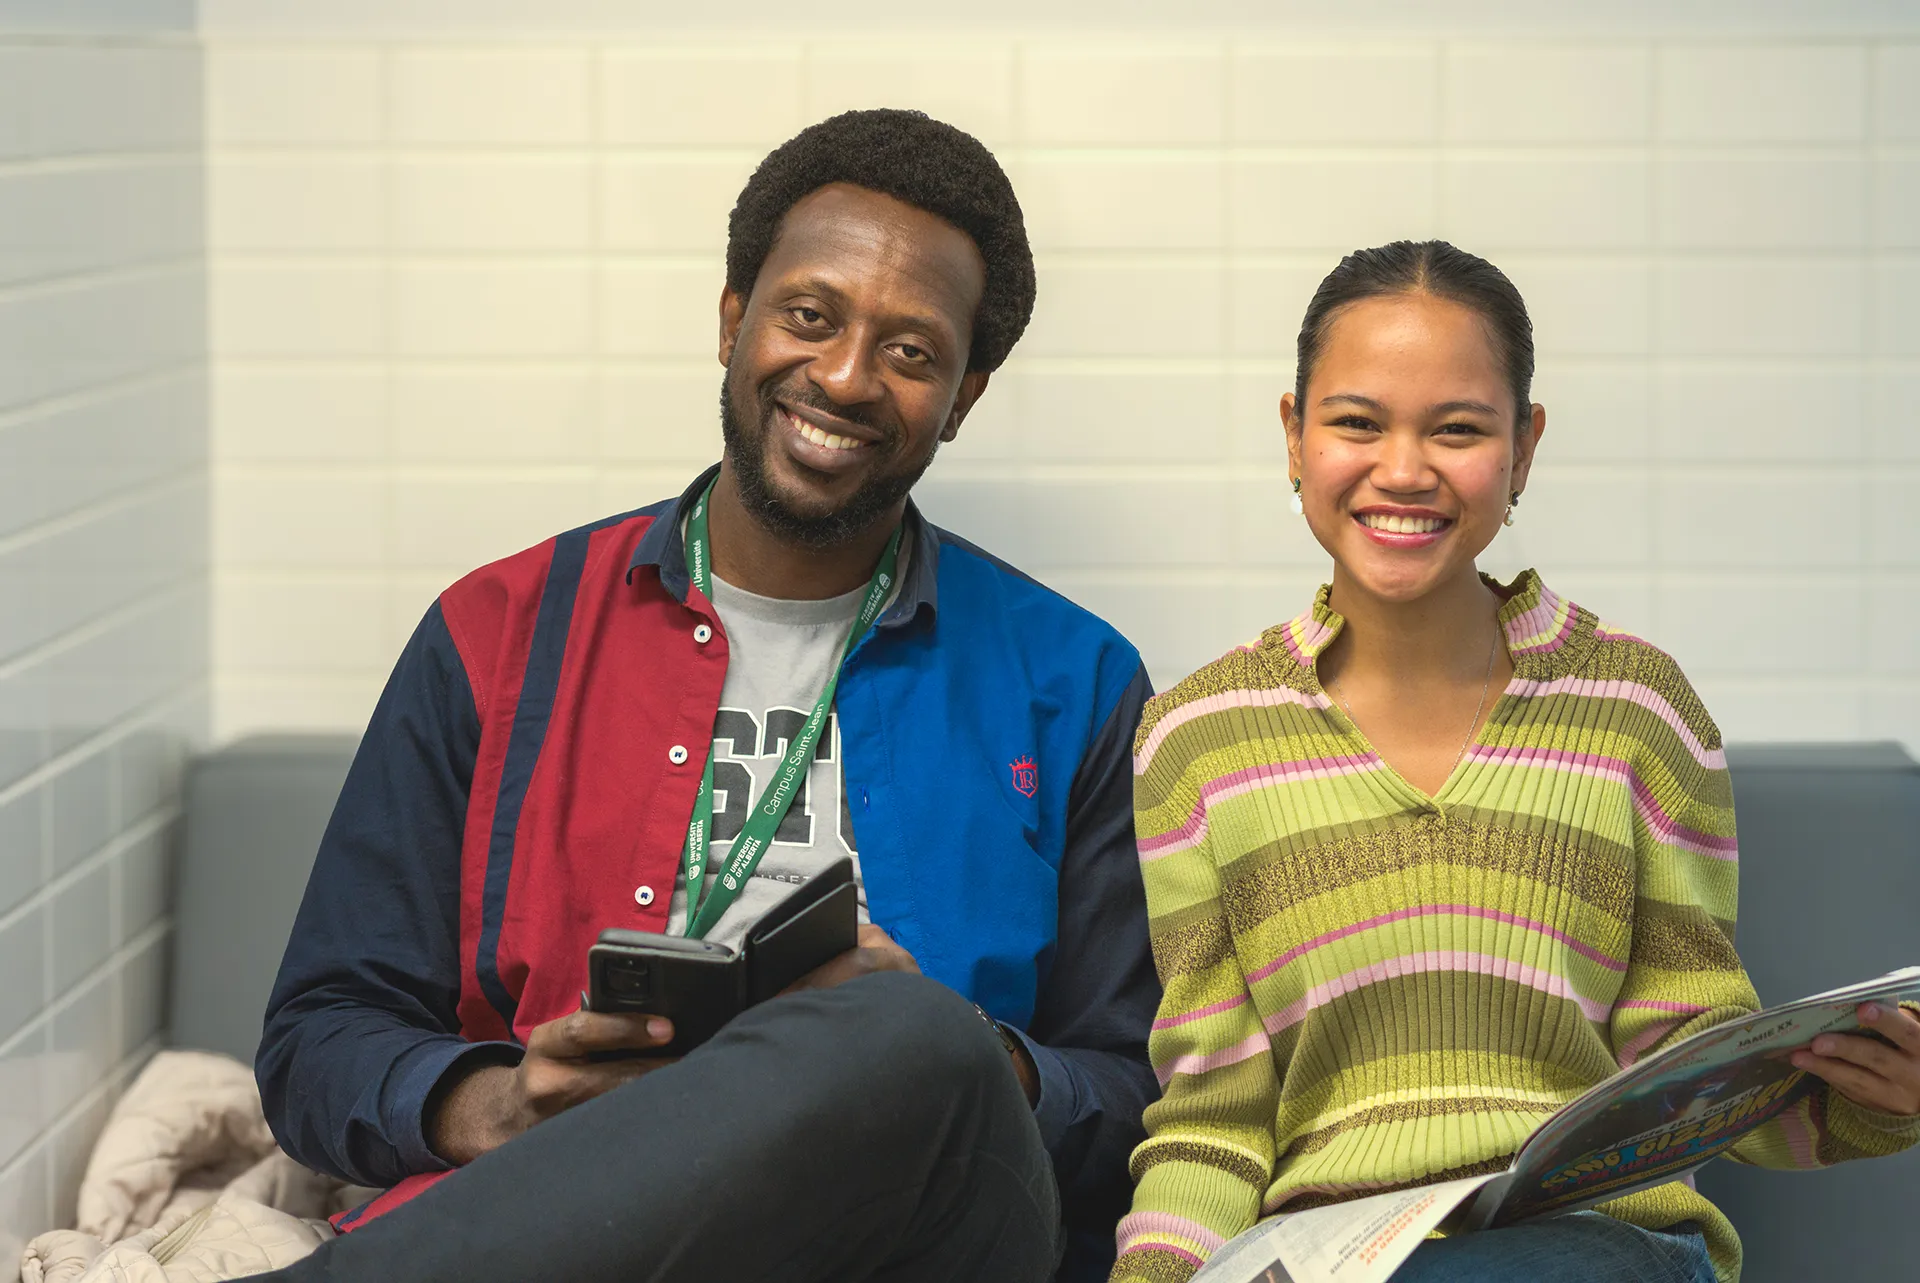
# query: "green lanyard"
{"type": "Point", "coordinates": [767, 813]}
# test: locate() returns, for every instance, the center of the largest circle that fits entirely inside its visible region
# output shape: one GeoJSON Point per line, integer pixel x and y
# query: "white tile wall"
{"type": "Point", "coordinates": [465, 295]}
{"type": "Point", "coordinates": [104, 639]}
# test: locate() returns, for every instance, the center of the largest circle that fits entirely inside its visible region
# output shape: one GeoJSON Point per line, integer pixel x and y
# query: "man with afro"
{"type": "Point", "coordinates": [666, 720]}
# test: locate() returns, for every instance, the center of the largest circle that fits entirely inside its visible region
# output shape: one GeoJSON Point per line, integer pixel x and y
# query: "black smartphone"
{"type": "Point", "coordinates": [693, 983]}
{"type": "Point", "coordinates": [700, 985]}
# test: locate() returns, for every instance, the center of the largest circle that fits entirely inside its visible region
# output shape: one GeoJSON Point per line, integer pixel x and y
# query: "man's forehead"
{"type": "Point", "coordinates": [858, 236]}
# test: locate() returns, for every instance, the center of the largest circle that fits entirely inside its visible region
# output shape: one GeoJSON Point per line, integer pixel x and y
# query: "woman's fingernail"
{"type": "Point", "coordinates": [1823, 1046]}
{"type": "Point", "coordinates": [660, 1028]}
{"type": "Point", "coordinates": [1870, 1012]}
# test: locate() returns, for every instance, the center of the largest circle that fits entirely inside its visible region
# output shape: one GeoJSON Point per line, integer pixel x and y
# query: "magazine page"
{"type": "Point", "coordinates": [1662, 1118]}
{"type": "Point", "coordinates": [1360, 1241]}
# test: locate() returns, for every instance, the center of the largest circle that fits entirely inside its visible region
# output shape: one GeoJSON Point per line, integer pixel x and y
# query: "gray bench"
{"type": "Point", "coordinates": [1830, 852]}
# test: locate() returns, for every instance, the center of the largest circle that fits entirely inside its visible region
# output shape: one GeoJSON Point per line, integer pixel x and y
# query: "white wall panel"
{"type": "Point", "coordinates": [465, 295]}
{"type": "Point", "coordinates": [1564, 94]}
{"type": "Point", "coordinates": [104, 650]}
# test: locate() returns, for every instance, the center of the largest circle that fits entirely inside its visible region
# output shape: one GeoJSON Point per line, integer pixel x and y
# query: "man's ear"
{"type": "Point", "coordinates": [972, 384]}
{"type": "Point", "coordinates": [733, 311]}
{"type": "Point", "coordinates": [1526, 443]}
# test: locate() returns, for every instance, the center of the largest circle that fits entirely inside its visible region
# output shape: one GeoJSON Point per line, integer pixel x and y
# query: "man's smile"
{"type": "Point", "coordinates": [829, 446]}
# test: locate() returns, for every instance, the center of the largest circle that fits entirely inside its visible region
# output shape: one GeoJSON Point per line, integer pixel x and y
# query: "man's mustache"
{"type": "Point", "coordinates": [806, 395]}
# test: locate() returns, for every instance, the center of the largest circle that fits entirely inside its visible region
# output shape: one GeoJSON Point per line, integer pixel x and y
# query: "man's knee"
{"type": "Point", "coordinates": [913, 1027]}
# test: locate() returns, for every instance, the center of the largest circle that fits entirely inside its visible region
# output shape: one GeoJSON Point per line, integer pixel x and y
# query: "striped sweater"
{"type": "Point", "coordinates": [1369, 988]}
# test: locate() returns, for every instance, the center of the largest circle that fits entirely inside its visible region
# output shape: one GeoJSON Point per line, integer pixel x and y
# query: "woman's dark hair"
{"type": "Point", "coordinates": [1425, 267]}
{"type": "Point", "coordinates": [913, 158]}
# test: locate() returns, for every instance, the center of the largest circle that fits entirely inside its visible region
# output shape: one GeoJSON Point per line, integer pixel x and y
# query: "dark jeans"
{"type": "Point", "coordinates": [1586, 1247]}
{"type": "Point", "coordinates": [870, 1132]}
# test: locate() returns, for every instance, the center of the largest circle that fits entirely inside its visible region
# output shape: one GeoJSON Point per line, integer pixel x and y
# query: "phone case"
{"type": "Point", "coordinates": [701, 986]}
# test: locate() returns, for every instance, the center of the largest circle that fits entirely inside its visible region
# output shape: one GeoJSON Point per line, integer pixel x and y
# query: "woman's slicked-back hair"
{"type": "Point", "coordinates": [913, 158]}
{"type": "Point", "coordinates": [1425, 267]}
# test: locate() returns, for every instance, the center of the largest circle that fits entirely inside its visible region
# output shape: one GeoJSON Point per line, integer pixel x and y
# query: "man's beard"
{"type": "Point", "coordinates": [747, 450]}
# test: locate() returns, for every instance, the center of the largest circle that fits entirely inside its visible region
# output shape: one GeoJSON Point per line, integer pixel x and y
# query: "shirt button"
{"type": "Point", "coordinates": [677, 754]}
{"type": "Point", "coordinates": [702, 634]}
{"type": "Point", "coordinates": [643, 896]}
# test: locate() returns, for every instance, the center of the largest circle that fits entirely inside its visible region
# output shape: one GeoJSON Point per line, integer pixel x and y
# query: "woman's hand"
{"type": "Point", "coordinates": [1867, 1071]}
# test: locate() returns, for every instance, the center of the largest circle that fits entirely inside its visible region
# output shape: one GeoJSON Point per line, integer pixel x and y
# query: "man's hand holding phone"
{"type": "Point", "coordinates": [874, 951]}
{"type": "Point", "coordinates": [568, 1061]}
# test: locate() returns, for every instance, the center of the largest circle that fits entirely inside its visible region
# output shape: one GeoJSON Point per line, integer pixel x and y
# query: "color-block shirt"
{"type": "Point", "coordinates": [780, 655]}
{"type": "Point", "coordinates": [1369, 988]}
{"type": "Point", "coordinates": [527, 779]}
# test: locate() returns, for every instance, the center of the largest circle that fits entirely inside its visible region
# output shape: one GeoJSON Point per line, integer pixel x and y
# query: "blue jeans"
{"type": "Point", "coordinates": [1585, 1247]}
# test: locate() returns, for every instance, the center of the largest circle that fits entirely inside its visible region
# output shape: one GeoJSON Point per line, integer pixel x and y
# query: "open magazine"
{"type": "Point", "coordinates": [1649, 1124]}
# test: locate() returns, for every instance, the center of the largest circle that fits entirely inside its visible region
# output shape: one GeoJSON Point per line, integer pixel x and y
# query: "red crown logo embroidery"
{"type": "Point", "coordinates": [1026, 777]}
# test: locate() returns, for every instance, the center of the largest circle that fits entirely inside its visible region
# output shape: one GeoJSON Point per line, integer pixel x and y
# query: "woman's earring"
{"type": "Point", "coordinates": [1299, 506]}
{"type": "Point", "coordinates": [1513, 498]}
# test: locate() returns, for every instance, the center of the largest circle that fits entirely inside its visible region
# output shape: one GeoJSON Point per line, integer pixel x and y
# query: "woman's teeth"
{"type": "Point", "coordinates": [825, 440]}
{"type": "Point", "coordinates": [1396, 525]}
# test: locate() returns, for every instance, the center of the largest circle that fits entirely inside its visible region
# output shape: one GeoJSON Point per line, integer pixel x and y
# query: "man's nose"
{"type": "Point", "coordinates": [847, 369]}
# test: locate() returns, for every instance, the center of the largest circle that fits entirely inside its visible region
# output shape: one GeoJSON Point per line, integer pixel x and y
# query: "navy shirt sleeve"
{"type": "Point", "coordinates": [363, 1020]}
{"type": "Point", "coordinates": [1088, 1038]}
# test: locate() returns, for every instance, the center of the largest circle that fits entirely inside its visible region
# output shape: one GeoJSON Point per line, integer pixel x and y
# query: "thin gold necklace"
{"type": "Point", "coordinates": [1486, 683]}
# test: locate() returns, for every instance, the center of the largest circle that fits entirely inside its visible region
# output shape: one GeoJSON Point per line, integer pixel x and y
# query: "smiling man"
{"type": "Point", "coordinates": [586, 734]}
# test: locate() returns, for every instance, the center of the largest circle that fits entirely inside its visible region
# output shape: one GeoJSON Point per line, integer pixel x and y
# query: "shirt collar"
{"type": "Point", "coordinates": [663, 549]}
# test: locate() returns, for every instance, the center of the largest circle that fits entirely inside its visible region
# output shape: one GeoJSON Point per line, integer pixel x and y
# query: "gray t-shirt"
{"type": "Point", "coordinates": [780, 654]}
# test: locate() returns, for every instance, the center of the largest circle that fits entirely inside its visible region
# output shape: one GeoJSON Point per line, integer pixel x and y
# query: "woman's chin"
{"type": "Point", "coordinates": [1397, 577]}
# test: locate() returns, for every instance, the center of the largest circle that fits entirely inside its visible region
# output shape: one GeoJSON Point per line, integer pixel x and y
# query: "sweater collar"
{"type": "Point", "coordinates": [1535, 619]}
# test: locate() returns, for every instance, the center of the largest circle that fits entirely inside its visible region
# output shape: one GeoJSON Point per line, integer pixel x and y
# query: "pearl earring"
{"type": "Point", "coordinates": [1299, 506]}
{"type": "Point", "coordinates": [1513, 498]}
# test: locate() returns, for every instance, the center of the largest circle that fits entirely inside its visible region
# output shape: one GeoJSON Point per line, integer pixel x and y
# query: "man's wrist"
{"type": "Point", "coordinates": [467, 1114]}
{"type": "Point", "coordinates": [1023, 1067]}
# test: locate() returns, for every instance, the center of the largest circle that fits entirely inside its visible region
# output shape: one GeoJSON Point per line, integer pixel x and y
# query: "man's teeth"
{"type": "Point", "coordinates": [1396, 525]}
{"type": "Point", "coordinates": [826, 440]}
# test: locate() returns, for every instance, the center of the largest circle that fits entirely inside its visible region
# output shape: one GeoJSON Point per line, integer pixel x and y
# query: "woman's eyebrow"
{"type": "Point", "coordinates": [1354, 397]}
{"type": "Point", "coordinates": [1456, 407]}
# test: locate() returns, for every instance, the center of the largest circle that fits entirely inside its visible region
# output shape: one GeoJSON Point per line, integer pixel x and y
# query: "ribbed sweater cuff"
{"type": "Point", "coordinates": [1152, 1265]}
{"type": "Point", "coordinates": [1872, 1132]}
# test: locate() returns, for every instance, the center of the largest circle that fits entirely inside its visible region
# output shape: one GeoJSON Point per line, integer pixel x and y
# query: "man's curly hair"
{"type": "Point", "coordinates": [911, 157]}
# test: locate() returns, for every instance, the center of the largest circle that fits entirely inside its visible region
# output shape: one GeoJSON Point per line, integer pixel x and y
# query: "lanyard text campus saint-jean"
{"type": "Point", "coordinates": [764, 820]}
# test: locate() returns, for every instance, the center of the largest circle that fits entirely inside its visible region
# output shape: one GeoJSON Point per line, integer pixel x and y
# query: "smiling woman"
{"type": "Point", "coordinates": [1432, 858]}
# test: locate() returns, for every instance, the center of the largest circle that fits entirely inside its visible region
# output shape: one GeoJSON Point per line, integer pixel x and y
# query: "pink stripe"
{"type": "Point", "coordinates": [1533, 622]}
{"type": "Point", "coordinates": [1674, 833]}
{"type": "Point", "coordinates": [1211, 1009]}
{"type": "Point", "coordinates": [1648, 1037]}
{"type": "Point", "coordinates": [1313, 635]}
{"type": "Point", "coordinates": [1193, 1064]}
{"type": "Point", "coordinates": [1799, 1138]}
{"type": "Point", "coordinates": [1633, 692]}
{"type": "Point", "coordinates": [1645, 803]}
{"type": "Point", "coordinates": [1435, 910]}
{"type": "Point", "coordinates": [1138, 1223]}
{"type": "Point", "coordinates": [1660, 1004]}
{"type": "Point", "coordinates": [1593, 764]}
{"type": "Point", "coordinates": [1433, 960]}
{"type": "Point", "coordinates": [1215, 704]}
{"type": "Point", "coordinates": [1248, 780]}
